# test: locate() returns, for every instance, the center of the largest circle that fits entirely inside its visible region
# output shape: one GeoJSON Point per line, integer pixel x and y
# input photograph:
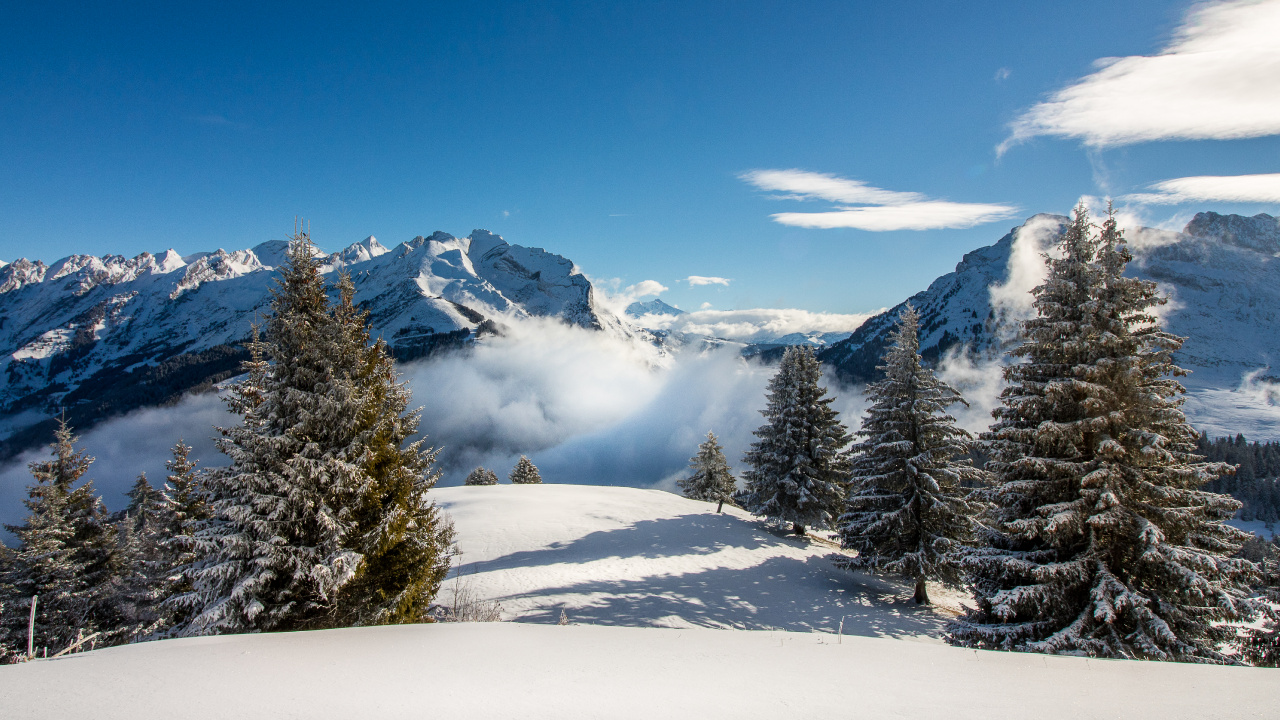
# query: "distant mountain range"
{"type": "Point", "coordinates": [99, 336]}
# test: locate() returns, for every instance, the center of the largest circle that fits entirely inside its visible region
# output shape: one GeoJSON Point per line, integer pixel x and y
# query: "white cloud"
{"type": "Point", "coordinates": [755, 325]}
{"type": "Point", "coordinates": [1012, 300]}
{"type": "Point", "coordinates": [1212, 188]}
{"type": "Point", "coordinates": [1216, 79]}
{"type": "Point", "coordinates": [928, 215]}
{"type": "Point", "coordinates": [615, 298]}
{"type": "Point", "coordinates": [1003, 74]}
{"type": "Point", "coordinates": [695, 280]}
{"type": "Point", "coordinates": [864, 207]}
{"type": "Point", "coordinates": [802, 184]}
{"type": "Point", "coordinates": [645, 288]}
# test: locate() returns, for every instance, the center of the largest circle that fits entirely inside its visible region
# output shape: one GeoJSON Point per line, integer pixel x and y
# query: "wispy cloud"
{"type": "Point", "coordinates": [1216, 79]}
{"type": "Point", "coordinates": [756, 324]}
{"type": "Point", "coordinates": [695, 280]}
{"type": "Point", "coordinates": [864, 207]}
{"type": "Point", "coordinates": [805, 185]}
{"type": "Point", "coordinates": [1003, 74]}
{"type": "Point", "coordinates": [1212, 188]}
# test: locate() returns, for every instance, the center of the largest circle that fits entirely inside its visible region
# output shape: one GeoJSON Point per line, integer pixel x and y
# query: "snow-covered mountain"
{"type": "Point", "coordinates": [102, 335]}
{"type": "Point", "coordinates": [653, 307]}
{"type": "Point", "coordinates": [1221, 273]}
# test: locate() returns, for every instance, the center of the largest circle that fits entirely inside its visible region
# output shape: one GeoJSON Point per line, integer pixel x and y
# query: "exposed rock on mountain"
{"type": "Point", "coordinates": [100, 336]}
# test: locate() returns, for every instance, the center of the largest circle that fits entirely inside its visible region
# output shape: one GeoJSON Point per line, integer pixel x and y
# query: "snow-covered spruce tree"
{"type": "Point", "coordinates": [524, 473]}
{"type": "Point", "coordinates": [907, 511]}
{"type": "Point", "coordinates": [405, 542]}
{"type": "Point", "coordinates": [1106, 545]}
{"type": "Point", "coordinates": [321, 518]}
{"type": "Point", "coordinates": [798, 469]}
{"type": "Point", "coordinates": [711, 480]}
{"type": "Point", "coordinates": [482, 476]}
{"type": "Point", "coordinates": [66, 555]}
{"type": "Point", "coordinates": [188, 506]}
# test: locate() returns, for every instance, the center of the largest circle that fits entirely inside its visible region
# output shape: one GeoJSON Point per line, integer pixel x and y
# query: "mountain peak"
{"type": "Point", "coordinates": [1260, 232]}
{"type": "Point", "coordinates": [653, 307]}
{"type": "Point", "coordinates": [482, 241]}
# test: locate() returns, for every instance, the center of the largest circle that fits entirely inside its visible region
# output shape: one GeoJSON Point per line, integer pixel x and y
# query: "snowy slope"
{"type": "Point", "coordinates": [620, 561]}
{"type": "Point", "coordinates": [625, 556]}
{"type": "Point", "coordinates": [73, 332]}
{"type": "Point", "coordinates": [1222, 275]}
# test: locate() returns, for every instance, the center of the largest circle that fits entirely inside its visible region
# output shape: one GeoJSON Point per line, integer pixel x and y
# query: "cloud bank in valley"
{"type": "Point", "coordinates": [863, 207]}
{"type": "Point", "coordinates": [587, 407]}
{"type": "Point", "coordinates": [138, 442]}
{"type": "Point", "coordinates": [1213, 81]}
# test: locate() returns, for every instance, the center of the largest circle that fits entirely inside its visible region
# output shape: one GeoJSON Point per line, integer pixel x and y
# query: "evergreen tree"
{"type": "Point", "coordinates": [907, 511]}
{"type": "Point", "coordinates": [66, 555]}
{"type": "Point", "coordinates": [711, 480]}
{"type": "Point", "coordinates": [1106, 545]}
{"type": "Point", "coordinates": [321, 519]}
{"type": "Point", "coordinates": [798, 468]}
{"type": "Point", "coordinates": [405, 541]}
{"type": "Point", "coordinates": [524, 473]}
{"type": "Point", "coordinates": [482, 476]}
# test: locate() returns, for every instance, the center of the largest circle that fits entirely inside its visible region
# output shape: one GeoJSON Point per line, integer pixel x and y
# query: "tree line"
{"type": "Point", "coordinates": [320, 520]}
{"type": "Point", "coordinates": [1256, 481]}
{"type": "Point", "coordinates": [1095, 527]}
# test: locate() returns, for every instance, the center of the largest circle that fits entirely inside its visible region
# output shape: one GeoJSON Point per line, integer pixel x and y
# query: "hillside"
{"type": "Point", "coordinates": [620, 561]}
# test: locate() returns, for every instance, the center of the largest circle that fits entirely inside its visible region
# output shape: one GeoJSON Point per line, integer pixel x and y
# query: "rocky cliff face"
{"type": "Point", "coordinates": [98, 336]}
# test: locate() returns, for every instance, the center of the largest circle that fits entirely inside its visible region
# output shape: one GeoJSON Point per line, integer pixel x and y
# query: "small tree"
{"type": "Point", "coordinates": [907, 512]}
{"type": "Point", "coordinates": [798, 468]}
{"type": "Point", "coordinates": [711, 480]}
{"type": "Point", "coordinates": [1106, 544]}
{"type": "Point", "coordinates": [525, 473]}
{"type": "Point", "coordinates": [482, 476]}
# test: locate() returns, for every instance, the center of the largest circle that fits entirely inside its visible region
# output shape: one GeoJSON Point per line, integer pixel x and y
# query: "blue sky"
{"type": "Point", "coordinates": [625, 135]}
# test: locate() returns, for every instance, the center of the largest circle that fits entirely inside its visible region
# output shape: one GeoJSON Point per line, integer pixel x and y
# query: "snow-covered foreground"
{"type": "Point", "coordinates": [518, 670]}
{"type": "Point", "coordinates": [613, 557]}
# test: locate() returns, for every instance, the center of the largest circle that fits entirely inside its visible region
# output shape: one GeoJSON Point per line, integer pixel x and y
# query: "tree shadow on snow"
{"type": "Point", "coordinates": [808, 594]}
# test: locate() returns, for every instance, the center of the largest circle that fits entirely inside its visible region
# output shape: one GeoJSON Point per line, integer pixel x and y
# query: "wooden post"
{"type": "Point", "coordinates": [31, 628]}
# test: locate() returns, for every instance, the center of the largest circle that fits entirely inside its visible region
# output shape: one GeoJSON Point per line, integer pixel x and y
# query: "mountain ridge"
{"type": "Point", "coordinates": [82, 333]}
